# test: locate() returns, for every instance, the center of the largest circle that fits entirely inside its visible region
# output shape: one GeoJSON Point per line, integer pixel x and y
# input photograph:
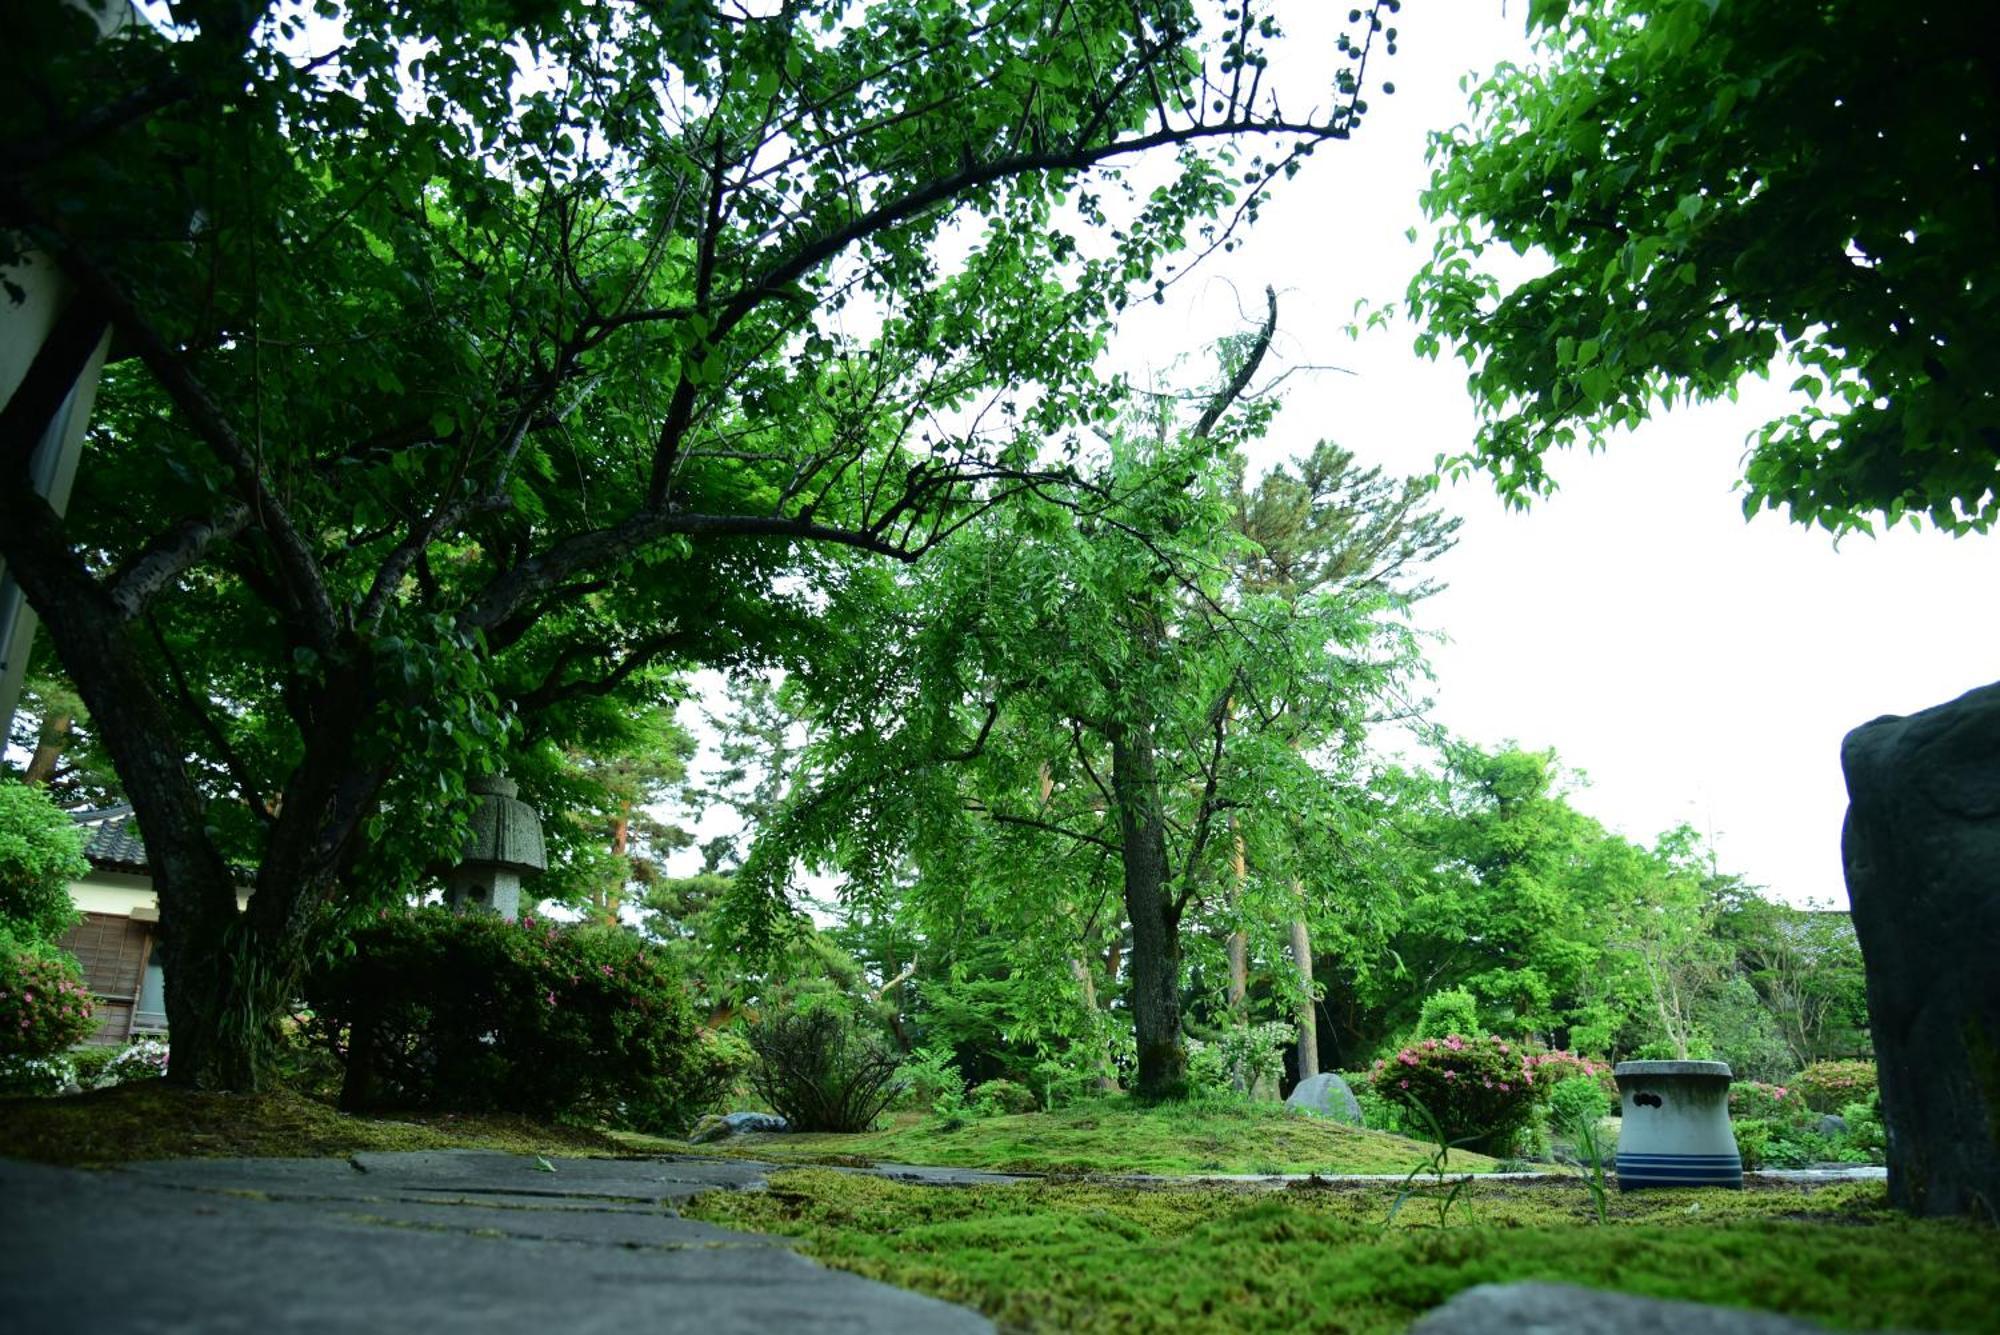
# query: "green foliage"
{"type": "Point", "coordinates": [41, 852]}
{"type": "Point", "coordinates": [91, 1062]}
{"type": "Point", "coordinates": [996, 1098]}
{"type": "Point", "coordinates": [1240, 1058]}
{"type": "Point", "coordinates": [1094, 1257]}
{"type": "Point", "coordinates": [1478, 1090]}
{"type": "Point", "coordinates": [44, 1007]}
{"type": "Point", "coordinates": [1754, 1137]}
{"type": "Point", "coordinates": [1766, 1102]}
{"type": "Point", "coordinates": [930, 1080]}
{"type": "Point", "coordinates": [473, 1013]}
{"type": "Point", "coordinates": [1452, 1011]}
{"type": "Point", "coordinates": [146, 1059]}
{"type": "Point", "coordinates": [821, 1071]}
{"type": "Point", "coordinates": [1829, 1086]}
{"type": "Point", "coordinates": [1865, 1132]}
{"type": "Point", "coordinates": [1711, 188]}
{"type": "Point", "coordinates": [1573, 1103]}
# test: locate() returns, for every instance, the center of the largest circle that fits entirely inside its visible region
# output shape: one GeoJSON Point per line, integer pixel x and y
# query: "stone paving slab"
{"type": "Point", "coordinates": [245, 1247]}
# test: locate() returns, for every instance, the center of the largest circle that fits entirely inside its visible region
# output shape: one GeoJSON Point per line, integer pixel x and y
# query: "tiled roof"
{"type": "Point", "coordinates": [114, 843]}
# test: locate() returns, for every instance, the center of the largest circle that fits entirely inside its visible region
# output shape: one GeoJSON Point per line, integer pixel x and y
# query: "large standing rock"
{"type": "Point", "coordinates": [1922, 851]}
{"type": "Point", "coordinates": [1326, 1095]}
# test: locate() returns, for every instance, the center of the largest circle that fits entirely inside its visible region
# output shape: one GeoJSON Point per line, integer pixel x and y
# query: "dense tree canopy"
{"type": "Point", "coordinates": [1705, 188]}
{"type": "Point", "coordinates": [476, 359]}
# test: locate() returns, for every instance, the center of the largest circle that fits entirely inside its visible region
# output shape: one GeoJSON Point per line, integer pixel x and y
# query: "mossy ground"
{"type": "Point", "coordinates": [1098, 1257]}
{"type": "Point", "coordinates": [148, 1119]}
{"type": "Point", "coordinates": [1105, 1136]}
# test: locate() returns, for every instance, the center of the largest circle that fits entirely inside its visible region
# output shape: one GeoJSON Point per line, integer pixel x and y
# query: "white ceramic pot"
{"type": "Point", "coordinates": [1675, 1126]}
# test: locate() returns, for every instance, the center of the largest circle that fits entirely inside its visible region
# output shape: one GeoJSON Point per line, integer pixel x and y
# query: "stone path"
{"type": "Point", "coordinates": [444, 1242]}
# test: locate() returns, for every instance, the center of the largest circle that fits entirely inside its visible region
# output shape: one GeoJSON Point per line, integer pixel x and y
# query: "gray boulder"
{"type": "Point", "coordinates": [1326, 1095]}
{"type": "Point", "coordinates": [1922, 854]}
{"type": "Point", "coordinates": [1561, 1309]}
{"type": "Point", "coordinates": [1831, 1124]}
{"type": "Point", "coordinates": [735, 1124]}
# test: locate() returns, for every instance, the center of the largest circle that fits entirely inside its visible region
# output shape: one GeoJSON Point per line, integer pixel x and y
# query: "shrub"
{"type": "Point", "coordinates": [1775, 1104]}
{"type": "Point", "coordinates": [1829, 1086]}
{"type": "Point", "coordinates": [1865, 1132]}
{"type": "Point", "coordinates": [1239, 1057]}
{"type": "Point", "coordinates": [1571, 1102]}
{"type": "Point", "coordinates": [930, 1079]}
{"type": "Point", "coordinates": [1478, 1089]}
{"type": "Point", "coordinates": [1559, 1067]}
{"type": "Point", "coordinates": [1452, 1011]}
{"type": "Point", "coordinates": [41, 852]}
{"type": "Point", "coordinates": [821, 1072]}
{"type": "Point", "coordinates": [1753, 1140]}
{"type": "Point", "coordinates": [36, 1077]}
{"type": "Point", "coordinates": [44, 1009]}
{"type": "Point", "coordinates": [90, 1063]}
{"type": "Point", "coordinates": [1003, 1097]}
{"type": "Point", "coordinates": [144, 1060]}
{"type": "Point", "coordinates": [474, 1013]}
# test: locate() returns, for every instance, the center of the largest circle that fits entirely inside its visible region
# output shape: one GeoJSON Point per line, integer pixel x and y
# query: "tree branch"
{"type": "Point", "coordinates": [170, 555]}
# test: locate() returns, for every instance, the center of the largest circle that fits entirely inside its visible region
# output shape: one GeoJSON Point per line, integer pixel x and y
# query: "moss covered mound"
{"type": "Point", "coordinates": [1097, 1257]}
{"type": "Point", "coordinates": [1112, 1135]}
{"type": "Point", "coordinates": [148, 1119]}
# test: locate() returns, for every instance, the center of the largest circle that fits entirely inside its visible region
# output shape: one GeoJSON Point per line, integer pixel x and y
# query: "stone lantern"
{"type": "Point", "coordinates": [1674, 1131]}
{"type": "Point", "coordinates": [502, 849]}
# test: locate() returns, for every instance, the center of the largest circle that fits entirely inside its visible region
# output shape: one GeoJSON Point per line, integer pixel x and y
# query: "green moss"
{"type": "Point", "coordinates": [1090, 1257]}
{"type": "Point", "coordinates": [148, 1119]}
{"type": "Point", "coordinates": [1109, 1135]}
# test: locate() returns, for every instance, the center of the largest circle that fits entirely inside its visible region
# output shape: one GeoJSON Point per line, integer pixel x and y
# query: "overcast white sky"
{"type": "Point", "coordinates": [1696, 667]}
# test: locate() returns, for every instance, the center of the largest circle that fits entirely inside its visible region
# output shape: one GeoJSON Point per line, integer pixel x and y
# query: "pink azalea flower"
{"type": "Point", "coordinates": [1503, 1086]}
{"type": "Point", "coordinates": [1451, 1075]}
{"type": "Point", "coordinates": [1404, 1083]}
{"type": "Point", "coordinates": [551, 998]}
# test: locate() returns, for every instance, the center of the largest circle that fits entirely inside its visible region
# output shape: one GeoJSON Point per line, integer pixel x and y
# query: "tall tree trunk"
{"type": "Point", "coordinates": [1156, 950]}
{"type": "Point", "coordinates": [1302, 959]}
{"type": "Point", "coordinates": [49, 744]}
{"type": "Point", "coordinates": [1239, 941]}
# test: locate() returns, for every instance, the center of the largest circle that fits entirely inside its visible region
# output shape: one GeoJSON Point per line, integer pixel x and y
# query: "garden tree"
{"type": "Point", "coordinates": [1715, 187]}
{"type": "Point", "coordinates": [52, 728]}
{"type": "Point", "coordinates": [1330, 526]}
{"type": "Point", "coordinates": [478, 358]}
{"type": "Point", "coordinates": [1662, 958]}
{"type": "Point", "coordinates": [1560, 928]}
{"type": "Point", "coordinates": [597, 792]}
{"type": "Point", "coordinates": [1806, 968]}
{"type": "Point", "coordinates": [1067, 708]}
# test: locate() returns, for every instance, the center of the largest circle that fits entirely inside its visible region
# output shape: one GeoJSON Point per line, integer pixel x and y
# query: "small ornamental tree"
{"type": "Point", "coordinates": [41, 852]}
{"type": "Point", "coordinates": [1479, 1090]}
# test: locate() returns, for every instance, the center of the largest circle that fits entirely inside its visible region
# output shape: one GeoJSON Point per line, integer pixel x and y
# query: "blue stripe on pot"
{"type": "Point", "coordinates": [1679, 1170]}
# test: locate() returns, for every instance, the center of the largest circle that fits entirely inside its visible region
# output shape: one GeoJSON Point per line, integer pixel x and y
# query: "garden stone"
{"type": "Point", "coordinates": [735, 1124]}
{"type": "Point", "coordinates": [1562, 1309]}
{"type": "Point", "coordinates": [1921, 850]}
{"type": "Point", "coordinates": [1830, 1124]}
{"type": "Point", "coordinates": [1326, 1095]}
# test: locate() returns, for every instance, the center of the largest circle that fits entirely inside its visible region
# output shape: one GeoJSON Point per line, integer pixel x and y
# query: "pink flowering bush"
{"type": "Point", "coordinates": [44, 1008]}
{"type": "Point", "coordinates": [1828, 1087]}
{"type": "Point", "coordinates": [1757, 1101]}
{"type": "Point", "coordinates": [1480, 1090]}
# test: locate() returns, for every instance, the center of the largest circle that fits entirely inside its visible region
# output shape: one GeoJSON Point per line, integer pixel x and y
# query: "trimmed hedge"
{"type": "Point", "coordinates": [472, 1013]}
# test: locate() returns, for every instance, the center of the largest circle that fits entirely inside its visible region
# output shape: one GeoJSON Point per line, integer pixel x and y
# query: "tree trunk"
{"type": "Point", "coordinates": [1156, 951]}
{"type": "Point", "coordinates": [49, 744]}
{"type": "Point", "coordinates": [1302, 958]}
{"type": "Point", "coordinates": [1086, 984]}
{"type": "Point", "coordinates": [1239, 941]}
